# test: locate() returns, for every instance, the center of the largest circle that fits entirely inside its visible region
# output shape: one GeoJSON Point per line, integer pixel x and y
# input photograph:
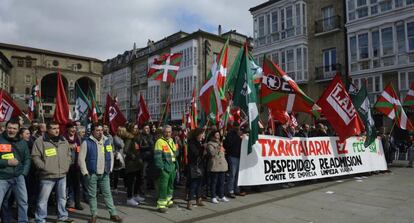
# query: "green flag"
{"type": "Point", "coordinates": [245, 96]}
{"type": "Point", "coordinates": [81, 105]}
{"type": "Point", "coordinates": [92, 98]}
{"type": "Point", "coordinates": [363, 106]}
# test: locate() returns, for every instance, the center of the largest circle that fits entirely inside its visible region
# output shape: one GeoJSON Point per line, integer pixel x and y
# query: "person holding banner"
{"type": "Point", "coordinates": [232, 145]}
{"type": "Point", "coordinates": [217, 166]}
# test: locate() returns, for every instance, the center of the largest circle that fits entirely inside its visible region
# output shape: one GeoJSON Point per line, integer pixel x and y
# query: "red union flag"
{"type": "Point", "coordinates": [142, 111]}
{"type": "Point", "coordinates": [338, 109]}
{"type": "Point", "coordinates": [8, 109]}
{"type": "Point", "coordinates": [113, 115]}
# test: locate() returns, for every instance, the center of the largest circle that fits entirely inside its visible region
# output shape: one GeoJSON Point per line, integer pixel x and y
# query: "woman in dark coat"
{"type": "Point", "coordinates": [196, 159]}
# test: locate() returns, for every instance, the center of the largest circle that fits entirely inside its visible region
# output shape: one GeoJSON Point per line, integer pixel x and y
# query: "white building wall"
{"type": "Point", "coordinates": [153, 94]}
{"type": "Point", "coordinates": [381, 40]}
{"type": "Point", "coordinates": [186, 79]}
{"type": "Point", "coordinates": [118, 83]}
{"type": "Point", "coordinates": [280, 32]}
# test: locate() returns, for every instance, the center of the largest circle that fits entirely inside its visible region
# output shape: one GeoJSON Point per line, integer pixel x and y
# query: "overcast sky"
{"type": "Point", "coordinates": [104, 28]}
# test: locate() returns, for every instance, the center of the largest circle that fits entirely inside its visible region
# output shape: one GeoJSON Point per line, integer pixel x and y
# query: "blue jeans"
{"type": "Point", "coordinates": [233, 175]}
{"type": "Point", "coordinates": [217, 184]}
{"type": "Point", "coordinates": [46, 187]}
{"type": "Point", "coordinates": [195, 188]}
{"type": "Point", "coordinates": [18, 186]}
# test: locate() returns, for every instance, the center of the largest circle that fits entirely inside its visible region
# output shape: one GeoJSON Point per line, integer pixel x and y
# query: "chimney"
{"type": "Point", "coordinates": [219, 30]}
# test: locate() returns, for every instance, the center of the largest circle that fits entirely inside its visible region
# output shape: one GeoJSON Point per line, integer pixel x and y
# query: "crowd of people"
{"type": "Point", "coordinates": [72, 163]}
{"type": "Point", "coordinates": [45, 164]}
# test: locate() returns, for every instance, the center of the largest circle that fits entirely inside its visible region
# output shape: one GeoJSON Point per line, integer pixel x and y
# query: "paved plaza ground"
{"type": "Point", "coordinates": [364, 198]}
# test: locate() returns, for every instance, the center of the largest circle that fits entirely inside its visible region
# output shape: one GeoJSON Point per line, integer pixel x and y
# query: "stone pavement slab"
{"type": "Point", "coordinates": [373, 198]}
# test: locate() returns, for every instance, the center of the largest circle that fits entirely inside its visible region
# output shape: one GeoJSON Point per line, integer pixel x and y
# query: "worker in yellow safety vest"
{"type": "Point", "coordinates": [165, 157]}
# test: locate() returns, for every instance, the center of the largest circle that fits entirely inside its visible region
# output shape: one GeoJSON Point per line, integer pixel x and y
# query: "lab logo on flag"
{"type": "Point", "coordinates": [112, 113]}
{"type": "Point", "coordinates": [276, 83]}
{"type": "Point", "coordinates": [341, 104]}
{"type": "Point", "coordinates": [6, 110]}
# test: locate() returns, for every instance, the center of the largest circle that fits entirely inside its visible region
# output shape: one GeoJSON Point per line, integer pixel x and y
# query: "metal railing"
{"type": "Point", "coordinates": [327, 72]}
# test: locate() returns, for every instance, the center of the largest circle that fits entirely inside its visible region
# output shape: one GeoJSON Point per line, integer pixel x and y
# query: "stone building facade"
{"type": "Point", "coordinates": [5, 67]}
{"type": "Point", "coordinates": [31, 64]}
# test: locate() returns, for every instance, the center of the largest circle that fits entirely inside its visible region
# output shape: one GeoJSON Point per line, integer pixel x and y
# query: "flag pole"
{"type": "Point", "coordinates": [40, 103]}
{"type": "Point", "coordinates": [392, 128]}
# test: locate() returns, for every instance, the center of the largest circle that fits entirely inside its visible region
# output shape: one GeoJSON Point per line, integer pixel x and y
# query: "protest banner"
{"type": "Point", "coordinates": [281, 160]}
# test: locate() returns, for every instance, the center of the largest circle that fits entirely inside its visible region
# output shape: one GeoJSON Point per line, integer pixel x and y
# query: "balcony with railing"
{"type": "Point", "coordinates": [278, 36]}
{"type": "Point", "coordinates": [325, 73]}
{"type": "Point", "coordinates": [326, 25]}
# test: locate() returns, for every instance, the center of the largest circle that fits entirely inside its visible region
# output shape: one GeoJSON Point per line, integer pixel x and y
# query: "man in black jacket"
{"type": "Point", "coordinates": [14, 166]}
{"type": "Point", "coordinates": [146, 144]}
{"type": "Point", "coordinates": [232, 145]}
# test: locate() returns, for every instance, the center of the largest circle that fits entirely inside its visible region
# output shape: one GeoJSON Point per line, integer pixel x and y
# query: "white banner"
{"type": "Point", "coordinates": [280, 160]}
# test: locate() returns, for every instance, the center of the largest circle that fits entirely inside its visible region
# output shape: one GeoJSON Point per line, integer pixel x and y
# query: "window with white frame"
{"type": "Point", "coordinates": [353, 48]}
{"type": "Point", "coordinates": [374, 7]}
{"type": "Point", "coordinates": [351, 9]}
{"type": "Point", "coordinates": [385, 5]}
{"type": "Point", "coordinates": [304, 18]}
{"type": "Point", "coordinates": [362, 8]}
{"type": "Point", "coordinates": [275, 23]}
{"type": "Point", "coordinates": [298, 19]}
{"type": "Point", "coordinates": [405, 79]}
{"type": "Point", "coordinates": [327, 16]}
{"type": "Point", "coordinates": [268, 24]}
{"type": "Point", "coordinates": [357, 9]}
{"type": "Point", "coordinates": [283, 56]}
{"type": "Point", "coordinates": [275, 58]}
{"type": "Point", "coordinates": [255, 28]}
{"type": "Point", "coordinates": [290, 60]}
{"type": "Point", "coordinates": [387, 41]}
{"type": "Point", "coordinates": [329, 60]}
{"type": "Point", "coordinates": [410, 35]}
{"type": "Point", "coordinates": [305, 63]}
{"type": "Point", "coordinates": [363, 46]}
{"type": "Point", "coordinates": [293, 61]}
{"type": "Point", "coordinates": [289, 21]}
{"type": "Point", "coordinates": [261, 26]}
{"type": "Point", "coordinates": [399, 3]}
{"type": "Point", "coordinates": [299, 61]}
{"type": "Point", "coordinates": [373, 84]}
{"type": "Point", "coordinates": [375, 41]}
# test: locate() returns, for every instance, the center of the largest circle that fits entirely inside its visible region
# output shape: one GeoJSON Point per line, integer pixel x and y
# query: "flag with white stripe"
{"type": "Point", "coordinates": [409, 99]}
{"type": "Point", "coordinates": [389, 104]}
{"type": "Point", "coordinates": [281, 93]}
